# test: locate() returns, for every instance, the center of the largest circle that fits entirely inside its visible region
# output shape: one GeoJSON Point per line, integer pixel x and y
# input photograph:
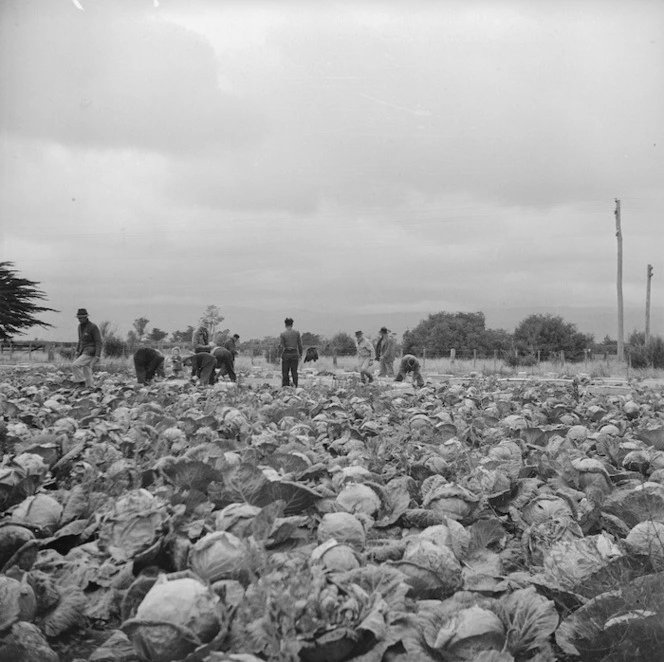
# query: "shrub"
{"type": "Point", "coordinates": [515, 361]}
{"type": "Point", "coordinates": [114, 347]}
{"type": "Point", "coordinates": [644, 356]}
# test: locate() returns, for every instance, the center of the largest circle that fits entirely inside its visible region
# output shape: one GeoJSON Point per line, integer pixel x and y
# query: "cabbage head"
{"type": "Point", "coordinates": [134, 523]}
{"type": "Point", "coordinates": [647, 539]}
{"type": "Point", "coordinates": [359, 498]}
{"type": "Point", "coordinates": [218, 555]}
{"type": "Point", "coordinates": [175, 616]}
{"type": "Point", "coordinates": [39, 510]}
{"type": "Point", "coordinates": [344, 528]}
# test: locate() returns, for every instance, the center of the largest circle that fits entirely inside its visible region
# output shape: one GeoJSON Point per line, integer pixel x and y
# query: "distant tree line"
{"type": "Point", "coordinates": [537, 337]}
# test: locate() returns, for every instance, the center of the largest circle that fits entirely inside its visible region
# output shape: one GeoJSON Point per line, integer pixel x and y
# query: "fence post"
{"type": "Point", "coordinates": [474, 358]}
{"type": "Point", "coordinates": [539, 356]}
{"type": "Point", "coordinates": [334, 357]}
{"type": "Point", "coordinates": [562, 356]}
{"type": "Point", "coordinates": [495, 360]}
{"type": "Point", "coordinates": [452, 356]}
{"type": "Point", "coordinates": [424, 358]}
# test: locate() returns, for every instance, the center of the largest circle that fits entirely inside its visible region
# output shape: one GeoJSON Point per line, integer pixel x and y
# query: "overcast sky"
{"type": "Point", "coordinates": [382, 157]}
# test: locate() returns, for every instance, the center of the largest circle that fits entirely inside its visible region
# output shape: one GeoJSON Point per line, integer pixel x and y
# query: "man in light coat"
{"type": "Point", "coordinates": [365, 357]}
{"type": "Point", "coordinates": [88, 350]}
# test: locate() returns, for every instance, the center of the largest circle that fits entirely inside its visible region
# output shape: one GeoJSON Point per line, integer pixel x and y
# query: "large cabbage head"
{"type": "Point", "coordinates": [546, 507]}
{"type": "Point", "coordinates": [359, 498]}
{"type": "Point", "coordinates": [218, 555]}
{"type": "Point", "coordinates": [176, 616]}
{"type": "Point", "coordinates": [335, 557]}
{"type": "Point", "coordinates": [344, 528]}
{"type": "Point", "coordinates": [134, 523]}
{"type": "Point", "coordinates": [452, 501]}
{"type": "Point", "coordinates": [39, 510]}
{"type": "Point", "coordinates": [647, 539]}
{"type": "Point", "coordinates": [468, 634]}
{"type": "Point", "coordinates": [449, 534]}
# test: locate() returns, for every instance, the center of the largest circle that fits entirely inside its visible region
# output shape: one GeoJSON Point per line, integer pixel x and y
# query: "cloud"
{"type": "Point", "coordinates": [114, 76]}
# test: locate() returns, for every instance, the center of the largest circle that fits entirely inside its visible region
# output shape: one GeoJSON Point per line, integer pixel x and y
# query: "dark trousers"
{"type": "Point", "coordinates": [204, 367]}
{"type": "Point", "coordinates": [226, 368]}
{"type": "Point", "coordinates": [289, 362]}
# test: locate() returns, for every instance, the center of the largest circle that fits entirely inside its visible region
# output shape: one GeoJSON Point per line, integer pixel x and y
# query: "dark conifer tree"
{"type": "Point", "coordinates": [19, 299]}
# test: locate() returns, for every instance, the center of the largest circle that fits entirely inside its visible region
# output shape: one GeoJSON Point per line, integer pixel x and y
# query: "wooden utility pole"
{"type": "Point", "coordinates": [621, 319]}
{"type": "Point", "coordinates": [649, 277]}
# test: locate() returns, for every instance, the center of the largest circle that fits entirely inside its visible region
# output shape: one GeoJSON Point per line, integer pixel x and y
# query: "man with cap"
{"type": "Point", "coordinates": [148, 362]}
{"type": "Point", "coordinates": [409, 363]}
{"type": "Point", "coordinates": [290, 350]}
{"type": "Point", "coordinates": [365, 357]}
{"type": "Point", "coordinates": [386, 350]}
{"type": "Point", "coordinates": [88, 350]}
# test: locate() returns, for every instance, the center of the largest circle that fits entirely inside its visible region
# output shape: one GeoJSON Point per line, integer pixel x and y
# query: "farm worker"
{"type": "Point", "coordinates": [225, 363]}
{"type": "Point", "coordinates": [409, 363]}
{"type": "Point", "coordinates": [201, 340]}
{"type": "Point", "coordinates": [148, 362]}
{"type": "Point", "coordinates": [230, 344]}
{"type": "Point", "coordinates": [290, 350]}
{"type": "Point", "coordinates": [386, 349]}
{"type": "Point", "coordinates": [365, 357]}
{"type": "Point", "coordinates": [88, 350]}
{"type": "Point", "coordinates": [176, 361]}
{"type": "Point", "coordinates": [311, 355]}
{"type": "Point", "coordinates": [202, 366]}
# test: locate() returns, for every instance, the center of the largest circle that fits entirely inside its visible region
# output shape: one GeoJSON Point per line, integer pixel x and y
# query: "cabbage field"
{"type": "Point", "coordinates": [474, 519]}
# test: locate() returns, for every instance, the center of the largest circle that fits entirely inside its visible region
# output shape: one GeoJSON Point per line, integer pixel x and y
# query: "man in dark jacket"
{"type": "Point", "coordinates": [409, 363]}
{"type": "Point", "coordinates": [386, 349]}
{"type": "Point", "coordinates": [230, 344]}
{"type": "Point", "coordinates": [88, 350]}
{"type": "Point", "coordinates": [148, 362]}
{"type": "Point", "coordinates": [290, 350]}
{"type": "Point", "coordinates": [202, 366]}
{"type": "Point", "coordinates": [225, 363]}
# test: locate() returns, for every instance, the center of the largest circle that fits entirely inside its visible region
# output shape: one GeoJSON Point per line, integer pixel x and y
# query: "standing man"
{"type": "Point", "coordinates": [88, 350]}
{"type": "Point", "coordinates": [225, 363]}
{"type": "Point", "coordinates": [230, 344]}
{"type": "Point", "coordinates": [201, 340]}
{"type": "Point", "coordinates": [202, 366]}
{"type": "Point", "coordinates": [148, 362]}
{"type": "Point", "coordinates": [290, 350]}
{"type": "Point", "coordinates": [386, 350]}
{"type": "Point", "coordinates": [409, 363]}
{"type": "Point", "coordinates": [365, 357]}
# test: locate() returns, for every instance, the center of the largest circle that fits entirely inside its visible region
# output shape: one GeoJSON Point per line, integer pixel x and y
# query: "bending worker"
{"type": "Point", "coordinates": [202, 366]}
{"type": "Point", "coordinates": [148, 362]}
{"type": "Point", "coordinates": [409, 363]}
{"type": "Point", "coordinates": [225, 363]}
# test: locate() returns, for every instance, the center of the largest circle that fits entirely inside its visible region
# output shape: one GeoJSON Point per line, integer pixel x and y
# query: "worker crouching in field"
{"type": "Point", "coordinates": [225, 363]}
{"type": "Point", "coordinates": [202, 366]}
{"type": "Point", "coordinates": [409, 363]}
{"type": "Point", "coordinates": [148, 363]}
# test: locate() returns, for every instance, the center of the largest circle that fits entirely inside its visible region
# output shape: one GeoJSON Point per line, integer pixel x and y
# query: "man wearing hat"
{"type": "Point", "coordinates": [365, 357]}
{"type": "Point", "coordinates": [88, 350]}
{"type": "Point", "coordinates": [386, 350]}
